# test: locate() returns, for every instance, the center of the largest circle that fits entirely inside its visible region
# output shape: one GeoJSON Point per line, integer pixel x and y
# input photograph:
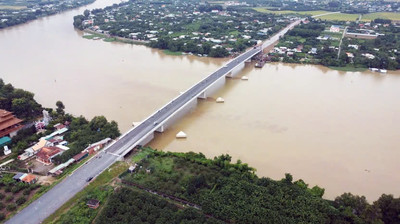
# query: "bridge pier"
{"type": "Point", "coordinates": [160, 129]}
{"type": "Point", "coordinates": [210, 90]}
{"type": "Point", "coordinates": [236, 70]}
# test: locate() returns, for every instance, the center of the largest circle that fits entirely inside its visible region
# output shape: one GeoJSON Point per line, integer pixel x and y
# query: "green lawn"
{"type": "Point", "coordinates": [91, 36]}
{"type": "Point", "coordinates": [175, 53]}
{"type": "Point", "coordinates": [12, 7]}
{"type": "Point", "coordinates": [312, 13]}
{"type": "Point", "coordinates": [381, 15]}
{"type": "Point", "coordinates": [336, 16]}
{"type": "Point", "coordinates": [348, 69]}
{"type": "Point", "coordinates": [340, 17]}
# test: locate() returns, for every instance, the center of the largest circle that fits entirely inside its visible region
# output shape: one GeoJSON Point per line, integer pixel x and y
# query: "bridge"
{"type": "Point", "coordinates": [141, 134]}
{"type": "Point", "coordinates": [175, 109]}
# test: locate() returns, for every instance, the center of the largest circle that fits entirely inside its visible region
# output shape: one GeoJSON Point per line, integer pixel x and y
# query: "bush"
{"type": "Point", "coordinates": [11, 207]}
{"type": "Point", "coordinates": [1, 206]}
{"type": "Point", "coordinates": [21, 200]}
{"type": "Point", "coordinates": [15, 189]}
{"type": "Point", "coordinates": [9, 198]}
{"type": "Point", "coordinates": [2, 216]}
{"type": "Point", "coordinates": [1, 196]}
{"type": "Point", "coordinates": [8, 188]}
{"type": "Point", "coordinates": [27, 191]}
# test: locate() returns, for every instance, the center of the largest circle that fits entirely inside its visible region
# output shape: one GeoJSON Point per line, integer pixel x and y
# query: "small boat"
{"type": "Point", "coordinates": [382, 70]}
{"type": "Point", "coordinates": [374, 69]}
{"type": "Point", "coordinates": [259, 64]}
{"type": "Point", "coordinates": [245, 78]}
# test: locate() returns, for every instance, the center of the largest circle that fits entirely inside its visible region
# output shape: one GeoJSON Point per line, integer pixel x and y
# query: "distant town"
{"type": "Point", "coordinates": [18, 12]}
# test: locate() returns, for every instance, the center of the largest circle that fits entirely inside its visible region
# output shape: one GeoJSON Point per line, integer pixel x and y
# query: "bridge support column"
{"type": "Point", "coordinates": [236, 70]}
{"type": "Point", "coordinates": [160, 129]}
{"type": "Point", "coordinates": [203, 95]}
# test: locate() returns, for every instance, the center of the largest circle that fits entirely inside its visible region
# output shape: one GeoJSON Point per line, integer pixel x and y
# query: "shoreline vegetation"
{"type": "Point", "coordinates": [168, 186]}
{"type": "Point", "coordinates": [14, 13]}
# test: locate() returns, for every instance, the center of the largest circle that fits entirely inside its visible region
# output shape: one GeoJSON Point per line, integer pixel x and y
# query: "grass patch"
{"type": "Point", "coordinates": [381, 15]}
{"type": "Point", "coordinates": [12, 7]}
{"type": "Point", "coordinates": [141, 155]}
{"type": "Point", "coordinates": [348, 69]}
{"type": "Point", "coordinates": [109, 39]}
{"type": "Point", "coordinates": [104, 178]}
{"type": "Point", "coordinates": [92, 36]}
{"type": "Point", "coordinates": [312, 13]}
{"type": "Point", "coordinates": [340, 17]}
{"type": "Point", "coordinates": [174, 53]}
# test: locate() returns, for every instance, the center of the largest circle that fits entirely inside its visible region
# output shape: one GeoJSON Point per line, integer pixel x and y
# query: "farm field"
{"type": "Point", "coordinates": [381, 15]}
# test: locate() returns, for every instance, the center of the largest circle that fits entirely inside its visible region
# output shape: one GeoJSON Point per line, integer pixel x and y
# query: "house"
{"type": "Point", "coordinates": [80, 156]}
{"type": "Point", "coordinates": [29, 179]}
{"type": "Point", "coordinates": [9, 124]}
{"type": "Point", "coordinates": [17, 177]}
{"type": "Point", "coordinates": [368, 55]}
{"type": "Point", "coordinates": [334, 29]}
{"type": "Point", "coordinates": [132, 168]}
{"type": "Point", "coordinates": [97, 145]}
{"type": "Point", "coordinates": [93, 203]}
{"type": "Point", "coordinates": [353, 46]}
{"type": "Point", "coordinates": [350, 55]}
{"type": "Point", "coordinates": [46, 154]}
{"type": "Point", "coordinates": [58, 169]}
{"type": "Point", "coordinates": [313, 51]}
{"type": "Point", "coordinates": [5, 141]}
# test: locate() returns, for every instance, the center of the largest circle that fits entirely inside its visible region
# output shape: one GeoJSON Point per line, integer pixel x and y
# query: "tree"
{"type": "Point", "coordinates": [60, 107]}
{"type": "Point", "coordinates": [86, 13]}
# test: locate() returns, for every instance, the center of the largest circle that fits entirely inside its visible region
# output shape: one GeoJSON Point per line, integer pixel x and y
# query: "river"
{"type": "Point", "coordinates": [335, 129]}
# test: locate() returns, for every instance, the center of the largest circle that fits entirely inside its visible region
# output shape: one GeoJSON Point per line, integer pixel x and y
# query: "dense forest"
{"type": "Point", "coordinates": [133, 206]}
{"type": "Point", "coordinates": [231, 192]}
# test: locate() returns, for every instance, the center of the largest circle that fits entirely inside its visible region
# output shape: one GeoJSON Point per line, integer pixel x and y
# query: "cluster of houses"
{"type": "Point", "coordinates": [90, 150]}
{"type": "Point", "coordinates": [157, 20]}
{"type": "Point", "coordinates": [35, 9]}
{"type": "Point", "coordinates": [288, 51]}
{"type": "Point", "coordinates": [48, 147]}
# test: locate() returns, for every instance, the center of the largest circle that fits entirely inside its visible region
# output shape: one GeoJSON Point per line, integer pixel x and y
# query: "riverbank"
{"type": "Point", "coordinates": [109, 38]}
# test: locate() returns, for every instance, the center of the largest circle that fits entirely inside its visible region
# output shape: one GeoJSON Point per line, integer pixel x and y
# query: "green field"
{"type": "Point", "coordinates": [312, 13]}
{"type": "Point", "coordinates": [348, 69]}
{"type": "Point", "coordinates": [340, 17]}
{"type": "Point", "coordinates": [12, 7]}
{"type": "Point", "coordinates": [381, 15]}
{"type": "Point", "coordinates": [175, 53]}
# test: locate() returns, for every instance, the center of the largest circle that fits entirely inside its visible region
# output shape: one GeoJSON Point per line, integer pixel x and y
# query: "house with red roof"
{"type": "Point", "coordinates": [46, 154]}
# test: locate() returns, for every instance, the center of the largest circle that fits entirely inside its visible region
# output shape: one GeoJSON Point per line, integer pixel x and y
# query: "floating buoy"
{"type": "Point", "coordinates": [220, 100]}
{"type": "Point", "coordinates": [245, 78]}
{"type": "Point", "coordinates": [181, 134]}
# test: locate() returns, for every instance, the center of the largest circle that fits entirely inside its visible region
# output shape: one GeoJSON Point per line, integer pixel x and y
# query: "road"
{"type": "Point", "coordinates": [49, 202]}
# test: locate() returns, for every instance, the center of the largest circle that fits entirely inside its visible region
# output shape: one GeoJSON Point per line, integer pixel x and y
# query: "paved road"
{"type": "Point", "coordinates": [48, 203]}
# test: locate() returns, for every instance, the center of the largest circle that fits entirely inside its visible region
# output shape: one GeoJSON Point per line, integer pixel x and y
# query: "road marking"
{"type": "Point", "coordinates": [113, 154]}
